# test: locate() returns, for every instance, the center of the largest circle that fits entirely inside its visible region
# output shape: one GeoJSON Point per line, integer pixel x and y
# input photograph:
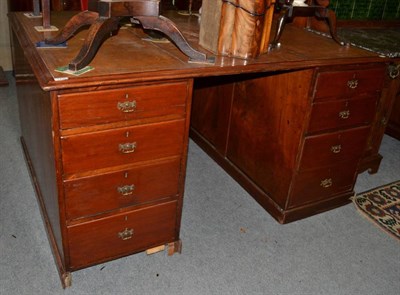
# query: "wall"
{"type": "Point", "coordinates": [366, 9]}
{"type": "Point", "coordinates": [5, 51]}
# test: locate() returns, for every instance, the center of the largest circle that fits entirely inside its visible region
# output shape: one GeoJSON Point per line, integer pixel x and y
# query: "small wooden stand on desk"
{"type": "Point", "coordinates": [104, 17]}
{"type": "Point", "coordinates": [317, 8]}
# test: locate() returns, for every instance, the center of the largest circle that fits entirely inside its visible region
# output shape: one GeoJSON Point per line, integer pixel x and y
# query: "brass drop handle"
{"type": "Point", "coordinates": [127, 148]}
{"type": "Point", "coordinates": [326, 183]}
{"type": "Point", "coordinates": [336, 149]}
{"type": "Point", "coordinates": [127, 106]}
{"type": "Point", "coordinates": [126, 234]}
{"type": "Point", "coordinates": [353, 84]}
{"type": "Point", "coordinates": [126, 190]}
{"type": "Point", "coordinates": [394, 71]}
{"type": "Point", "coordinates": [344, 114]}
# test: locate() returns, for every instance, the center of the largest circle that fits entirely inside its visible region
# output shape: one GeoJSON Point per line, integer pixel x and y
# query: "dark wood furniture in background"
{"type": "Point", "coordinates": [20, 5]}
{"type": "Point", "coordinates": [57, 5]}
{"type": "Point", "coordinates": [107, 150]}
{"type": "Point", "coordinates": [3, 78]}
{"type": "Point", "coordinates": [60, 5]}
{"type": "Point", "coordinates": [184, 4]}
{"type": "Point", "coordinates": [67, 5]}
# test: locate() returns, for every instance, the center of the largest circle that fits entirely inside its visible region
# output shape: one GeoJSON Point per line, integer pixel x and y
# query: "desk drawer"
{"type": "Point", "coordinates": [342, 113]}
{"type": "Point", "coordinates": [99, 107]}
{"type": "Point", "coordinates": [345, 84]}
{"type": "Point", "coordinates": [332, 148]}
{"type": "Point", "coordinates": [316, 185]}
{"type": "Point", "coordinates": [123, 146]}
{"type": "Point", "coordinates": [111, 237]}
{"type": "Point", "coordinates": [110, 191]}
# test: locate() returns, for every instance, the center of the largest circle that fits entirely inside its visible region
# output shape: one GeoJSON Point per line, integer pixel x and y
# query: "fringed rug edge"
{"type": "Point", "coordinates": [368, 216]}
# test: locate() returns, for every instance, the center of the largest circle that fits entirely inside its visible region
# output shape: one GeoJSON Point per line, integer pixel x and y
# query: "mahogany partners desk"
{"type": "Point", "coordinates": [107, 150]}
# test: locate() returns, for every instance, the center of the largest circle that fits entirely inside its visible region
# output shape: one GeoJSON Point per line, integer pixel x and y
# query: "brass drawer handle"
{"type": "Point", "coordinates": [344, 114]}
{"type": "Point", "coordinates": [394, 71]}
{"type": "Point", "coordinates": [126, 234]}
{"type": "Point", "coordinates": [326, 183]}
{"type": "Point", "coordinates": [127, 106]}
{"type": "Point", "coordinates": [126, 190]}
{"type": "Point", "coordinates": [352, 83]}
{"type": "Point", "coordinates": [336, 149]}
{"type": "Point", "coordinates": [127, 148]}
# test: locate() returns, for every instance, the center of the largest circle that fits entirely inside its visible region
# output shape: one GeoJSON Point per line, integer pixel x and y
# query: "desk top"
{"type": "Point", "coordinates": [127, 58]}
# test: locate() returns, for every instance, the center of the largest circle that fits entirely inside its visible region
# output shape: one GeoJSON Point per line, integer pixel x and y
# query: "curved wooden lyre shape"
{"type": "Point", "coordinates": [103, 18]}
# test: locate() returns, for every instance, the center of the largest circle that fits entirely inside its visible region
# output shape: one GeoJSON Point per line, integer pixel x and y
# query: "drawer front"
{"type": "Point", "coordinates": [344, 84]}
{"type": "Point", "coordinates": [123, 146]}
{"type": "Point", "coordinates": [98, 107]}
{"type": "Point", "coordinates": [332, 148]}
{"type": "Point", "coordinates": [111, 237]}
{"type": "Point", "coordinates": [105, 192]}
{"type": "Point", "coordinates": [320, 184]}
{"type": "Point", "coordinates": [341, 113]}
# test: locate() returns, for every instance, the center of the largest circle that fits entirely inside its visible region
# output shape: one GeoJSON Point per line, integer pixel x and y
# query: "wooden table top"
{"type": "Point", "coordinates": [127, 58]}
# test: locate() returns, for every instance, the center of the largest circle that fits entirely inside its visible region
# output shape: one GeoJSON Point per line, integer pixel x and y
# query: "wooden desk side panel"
{"type": "Point", "coordinates": [252, 127]}
{"type": "Point", "coordinates": [212, 103]}
{"type": "Point", "coordinates": [393, 126]}
{"type": "Point", "coordinates": [386, 103]}
{"type": "Point", "coordinates": [268, 117]}
{"type": "Point", "coordinates": [35, 109]}
{"type": "Point", "coordinates": [21, 68]}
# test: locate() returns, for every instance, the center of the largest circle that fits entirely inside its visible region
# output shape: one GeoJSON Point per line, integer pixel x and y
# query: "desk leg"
{"type": "Point", "coordinates": [174, 247]}
{"type": "Point", "coordinates": [66, 280]}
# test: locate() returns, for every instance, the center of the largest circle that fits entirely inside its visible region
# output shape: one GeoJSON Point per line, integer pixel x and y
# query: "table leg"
{"type": "Point", "coordinates": [97, 32]}
{"type": "Point", "coordinates": [77, 21]}
{"type": "Point", "coordinates": [166, 26]}
{"type": "Point", "coordinates": [283, 15]}
{"type": "Point", "coordinates": [331, 21]}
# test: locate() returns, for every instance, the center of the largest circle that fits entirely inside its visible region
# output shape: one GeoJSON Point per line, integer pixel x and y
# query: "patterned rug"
{"type": "Point", "coordinates": [382, 206]}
